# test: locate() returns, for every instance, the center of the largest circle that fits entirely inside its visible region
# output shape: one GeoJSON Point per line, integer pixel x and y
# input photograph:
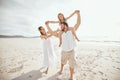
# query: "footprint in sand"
{"type": "Point", "coordinates": [16, 69]}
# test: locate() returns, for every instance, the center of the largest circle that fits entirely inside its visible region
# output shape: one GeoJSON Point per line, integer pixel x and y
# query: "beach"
{"type": "Point", "coordinates": [21, 59]}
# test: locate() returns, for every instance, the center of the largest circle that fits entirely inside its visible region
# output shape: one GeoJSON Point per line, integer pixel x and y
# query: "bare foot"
{"type": "Point", "coordinates": [59, 72]}
{"type": "Point", "coordinates": [45, 72]}
{"type": "Point", "coordinates": [70, 79]}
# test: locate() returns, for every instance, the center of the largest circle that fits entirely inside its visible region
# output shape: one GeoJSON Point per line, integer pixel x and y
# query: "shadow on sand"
{"type": "Point", "coordinates": [38, 75]}
{"type": "Point", "coordinates": [32, 75]}
{"type": "Point", "coordinates": [53, 77]}
{"type": "Point", "coordinates": [56, 76]}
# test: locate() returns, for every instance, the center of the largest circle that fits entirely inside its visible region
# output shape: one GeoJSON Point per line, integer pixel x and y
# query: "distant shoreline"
{"type": "Point", "coordinates": [16, 36]}
{"type": "Point", "coordinates": [104, 41]}
{"type": "Point", "coordinates": [83, 40]}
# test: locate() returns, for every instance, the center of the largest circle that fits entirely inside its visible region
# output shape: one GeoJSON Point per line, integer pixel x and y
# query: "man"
{"type": "Point", "coordinates": [67, 42]}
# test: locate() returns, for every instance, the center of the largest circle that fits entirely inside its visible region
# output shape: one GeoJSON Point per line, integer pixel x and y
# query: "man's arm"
{"type": "Point", "coordinates": [76, 26]}
{"type": "Point", "coordinates": [60, 38]}
{"type": "Point", "coordinates": [54, 33]}
{"type": "Point", "coordinates": [49, 29]}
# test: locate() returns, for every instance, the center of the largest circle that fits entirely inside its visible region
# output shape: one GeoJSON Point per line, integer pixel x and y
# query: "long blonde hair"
{"type": "Point", "coordinates": [64, 20]}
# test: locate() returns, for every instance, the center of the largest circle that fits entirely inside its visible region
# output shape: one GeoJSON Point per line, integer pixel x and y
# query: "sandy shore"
{"type": "Point", "coordinates": [21, 59]}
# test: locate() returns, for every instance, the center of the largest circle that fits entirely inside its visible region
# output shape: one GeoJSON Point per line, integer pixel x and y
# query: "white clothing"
{"type": "Point", "coordinates": [49, 56]}
{"type": "Point", "coordinates": [68, 41]}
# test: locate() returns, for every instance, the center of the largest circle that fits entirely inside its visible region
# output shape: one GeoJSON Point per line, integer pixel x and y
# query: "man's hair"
{"type": "Point", "coordinates": [64, 23]}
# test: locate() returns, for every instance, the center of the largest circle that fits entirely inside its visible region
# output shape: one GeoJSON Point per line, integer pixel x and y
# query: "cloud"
{"type": "Point", "coordinates": [24, 16]}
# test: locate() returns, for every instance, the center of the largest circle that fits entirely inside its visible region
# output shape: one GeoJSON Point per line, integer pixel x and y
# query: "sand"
{"type": "Point", "coordinates": [21, 59]}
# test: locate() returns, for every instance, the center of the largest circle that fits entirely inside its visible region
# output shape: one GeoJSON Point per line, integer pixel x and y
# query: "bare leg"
{"type": "Point", "coordinates": [71, 73]}
{"type": "Point", "coordinates": [46, 71]}
{"type": "Point", "coordinates": [60, 72]}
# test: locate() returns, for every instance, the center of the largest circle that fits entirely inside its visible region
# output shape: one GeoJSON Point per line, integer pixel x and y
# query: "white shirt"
{"type": "Point", "coordinates": [68, 41]}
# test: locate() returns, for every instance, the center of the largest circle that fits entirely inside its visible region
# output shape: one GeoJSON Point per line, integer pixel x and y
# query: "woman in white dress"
{"type": "Point", "coordinates": [49, 56]}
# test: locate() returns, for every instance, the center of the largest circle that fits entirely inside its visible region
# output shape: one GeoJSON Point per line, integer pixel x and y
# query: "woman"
{"type": "Point", "coordinates": [49, 56]}
{"type": "Point", "coordinates": [61, 18]}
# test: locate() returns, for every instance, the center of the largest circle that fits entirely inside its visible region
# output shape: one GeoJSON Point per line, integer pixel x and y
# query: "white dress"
{"type": "Point", "coordinates": [49, 56]}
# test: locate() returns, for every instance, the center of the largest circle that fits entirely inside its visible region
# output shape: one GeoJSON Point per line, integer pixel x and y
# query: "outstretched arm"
{"type": "Point", "coordinates": [53, 21]}
{"type": "Point", "coordinates": [70, 15]}
{"type": "Point", "coordinates": [49, 29]}
{"type": "Point", "coordinates": [65, 18]}
{"type": "Point", "coordinates": [54, 33]}
{"type": "Point", "coordinates": [45, 36]}
{"type": "Point", "coordinates": [76, 26]}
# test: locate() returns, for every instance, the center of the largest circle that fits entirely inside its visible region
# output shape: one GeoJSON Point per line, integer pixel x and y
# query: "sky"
{"type": "Point", "coordinates": [23, 17]}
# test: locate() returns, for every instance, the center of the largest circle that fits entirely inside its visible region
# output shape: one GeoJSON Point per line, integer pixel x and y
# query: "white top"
{"type": "Point", "coordinates": [68, 41]}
